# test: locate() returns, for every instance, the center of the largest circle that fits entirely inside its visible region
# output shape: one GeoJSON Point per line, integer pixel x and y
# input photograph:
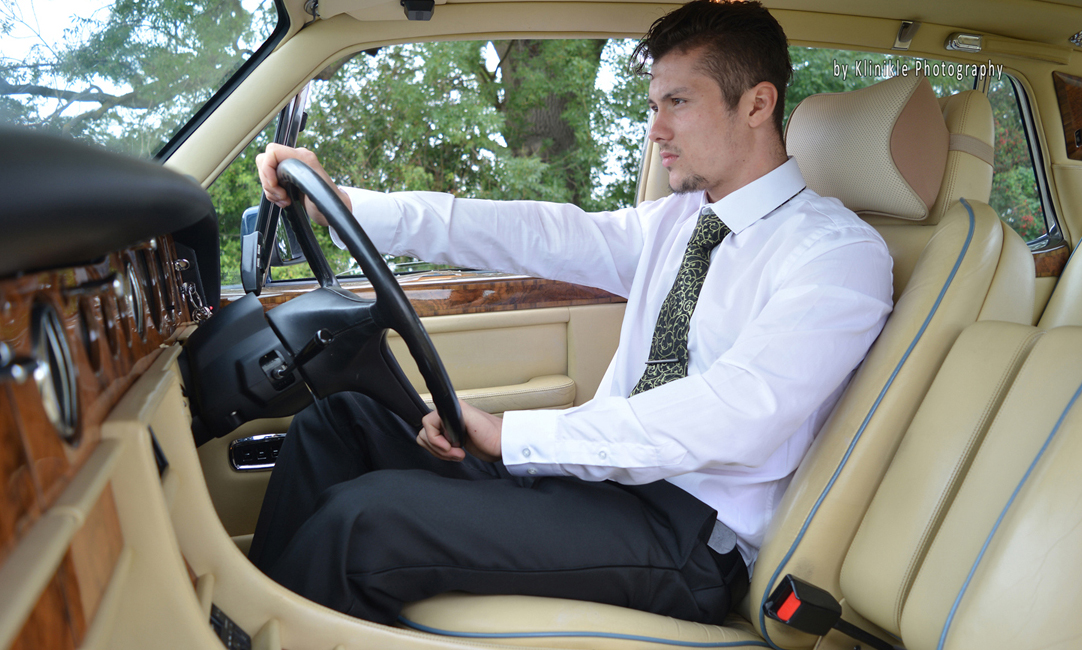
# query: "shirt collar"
{"type": "Point", "coordinates": [760, 197]}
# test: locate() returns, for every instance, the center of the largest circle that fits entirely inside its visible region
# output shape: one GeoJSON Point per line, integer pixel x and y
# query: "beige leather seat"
{"type": "Point", "coordinates": [974, 537]}
{"type": "Point", "coordinates": [886, 152]}
{"type": "Point", "coordinates": [970, 267]}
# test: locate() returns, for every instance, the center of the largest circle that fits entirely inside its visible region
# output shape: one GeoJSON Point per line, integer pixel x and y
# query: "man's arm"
{"type": "Point", "coordinates": [556, 241]}
{"type": "Point", "coordinates": [813, 331]}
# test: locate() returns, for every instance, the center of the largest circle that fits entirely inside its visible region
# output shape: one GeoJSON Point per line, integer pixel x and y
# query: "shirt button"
{"type": "Point", "coordinates": [531, 471]}
{"type": "Point", "coordinates": [603, 454]}
{"type": "Point", "coordinates": [526, 452]}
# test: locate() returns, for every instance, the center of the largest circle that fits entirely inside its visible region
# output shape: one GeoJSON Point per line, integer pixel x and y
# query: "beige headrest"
{"type": "Point", "coordinates": [883, 150]}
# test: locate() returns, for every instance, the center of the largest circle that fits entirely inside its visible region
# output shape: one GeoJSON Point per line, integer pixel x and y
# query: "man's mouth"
{"type": "Point", "coordinates": [667, 158]}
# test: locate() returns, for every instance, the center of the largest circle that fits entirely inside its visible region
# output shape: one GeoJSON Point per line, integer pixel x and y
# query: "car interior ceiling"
{"type": "Point", "coordinates": [939, 503]}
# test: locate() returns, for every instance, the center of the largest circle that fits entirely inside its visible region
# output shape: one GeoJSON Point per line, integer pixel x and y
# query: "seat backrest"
{"type": "Point", "coordinates": [974, 537]}
{"type": "Point", "coordinates": [1003, 569]}
{"type": "Point", "coordinates": [876, 149]}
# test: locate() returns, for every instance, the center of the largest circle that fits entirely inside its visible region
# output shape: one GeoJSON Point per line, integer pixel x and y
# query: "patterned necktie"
{"type": "Point", "coordinates": [669, 348]}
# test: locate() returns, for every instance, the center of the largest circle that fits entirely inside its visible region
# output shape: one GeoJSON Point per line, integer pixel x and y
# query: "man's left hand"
{"type": "Point", "coordinates": [483, 432]}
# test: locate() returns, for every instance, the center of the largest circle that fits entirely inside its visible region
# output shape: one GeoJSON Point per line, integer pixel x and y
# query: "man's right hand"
{"type": "Point", "coordinates": [267, 165]}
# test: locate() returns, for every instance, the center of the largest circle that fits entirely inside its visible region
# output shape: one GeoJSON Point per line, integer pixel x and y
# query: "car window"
{"type": "Point", "coordinates": [1015, 193]}
{"type": "Point", "coordinates": [122, 74]}
{"type": "Point", "coordinates": [556, 120]}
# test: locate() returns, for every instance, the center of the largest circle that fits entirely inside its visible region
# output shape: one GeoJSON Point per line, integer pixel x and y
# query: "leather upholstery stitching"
{"type": "Point", "coordinates": [595, 635]}
{"type": "Point", "coordinates": [1002, 514]}
{"type": "Point", "coordinates": [991, 410]}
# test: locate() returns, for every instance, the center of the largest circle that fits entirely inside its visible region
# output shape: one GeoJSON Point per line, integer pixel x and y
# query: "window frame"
{"type": "Point", "coordinates": [1053, 237]}
{"type": "Point", "coordinates": [262, 52]}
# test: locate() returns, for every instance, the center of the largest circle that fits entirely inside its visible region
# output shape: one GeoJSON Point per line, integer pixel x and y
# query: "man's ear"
{"type": "Point", "coordinates": [760, 101]}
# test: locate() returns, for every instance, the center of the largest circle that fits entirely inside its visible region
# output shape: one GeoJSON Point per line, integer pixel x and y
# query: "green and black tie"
{"type": "Point", "coordinates": [669, 348]}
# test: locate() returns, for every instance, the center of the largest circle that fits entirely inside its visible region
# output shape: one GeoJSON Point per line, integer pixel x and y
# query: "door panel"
{"type": "Point", "coordinates": [550, 357]}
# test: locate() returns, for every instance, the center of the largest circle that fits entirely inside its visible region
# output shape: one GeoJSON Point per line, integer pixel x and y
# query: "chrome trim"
{"type": "Point", "coordinates": [905, 34]}
{"type": "Point", "coordinates": [53, 371]}
{"type": "Point", "coordinates": [200, 312]}
{"type": "Point", "coordinates": [239, 443]}
{"type": "Point", "coordinates": [962, 42]}
{"type": "Point", "coordinates": [134, 300]}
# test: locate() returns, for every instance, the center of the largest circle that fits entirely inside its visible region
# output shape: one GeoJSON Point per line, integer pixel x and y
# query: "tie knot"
{"type": "Point", "coordinates": [709, 231]}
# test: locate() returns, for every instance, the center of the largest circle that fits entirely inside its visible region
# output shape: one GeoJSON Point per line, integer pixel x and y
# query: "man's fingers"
{"type": "Point", "coordinates": [267, 165]}
{"type": "Point", "coordinates": [431, 438]}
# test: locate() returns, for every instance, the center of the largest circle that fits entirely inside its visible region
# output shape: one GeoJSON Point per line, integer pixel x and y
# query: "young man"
{"type": "Point", "coordinates": [750, 301]}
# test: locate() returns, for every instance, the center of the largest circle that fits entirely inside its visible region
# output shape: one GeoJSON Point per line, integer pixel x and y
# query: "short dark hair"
{"type": "Point", "coordinates": [743, 44]}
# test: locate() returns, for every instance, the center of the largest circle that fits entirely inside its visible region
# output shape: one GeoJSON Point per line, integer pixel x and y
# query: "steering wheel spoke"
{"type": "Point", "coordinates": [392, 310]}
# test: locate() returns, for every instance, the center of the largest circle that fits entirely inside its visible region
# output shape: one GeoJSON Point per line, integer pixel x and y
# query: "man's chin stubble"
{"type": "Point", "coordinates": [692, 183]}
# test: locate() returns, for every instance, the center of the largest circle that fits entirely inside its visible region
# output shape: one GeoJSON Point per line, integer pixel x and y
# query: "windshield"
{"type": "Point", "coordinates": [122, 74]}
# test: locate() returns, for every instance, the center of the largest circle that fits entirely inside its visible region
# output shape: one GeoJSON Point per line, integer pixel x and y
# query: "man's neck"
{"type": "Point", "coordinates": [761, 161]}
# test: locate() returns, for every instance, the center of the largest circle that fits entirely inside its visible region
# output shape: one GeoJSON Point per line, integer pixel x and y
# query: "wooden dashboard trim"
{"type": "Point", "coordinates": [58, 509]}
{"type": "Point", "coordinates": [460, 293]}
{"type": "Point", "coordinates": [1050, 263]}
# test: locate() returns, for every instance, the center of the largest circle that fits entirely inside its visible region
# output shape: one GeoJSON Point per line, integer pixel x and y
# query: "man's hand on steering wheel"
{"type": "Point", "coordinates": [484, 432]}
{"type": "Point", "coordinates": [286, 175]}
{"type": "Point", "coordinates": [267, 165]}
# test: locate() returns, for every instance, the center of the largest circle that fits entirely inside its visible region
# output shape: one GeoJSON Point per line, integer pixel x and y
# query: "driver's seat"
{"type": "Point", "coordinates": [969, 268]}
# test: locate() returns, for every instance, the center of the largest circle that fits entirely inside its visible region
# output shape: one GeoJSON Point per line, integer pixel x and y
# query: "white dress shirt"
{"type": "Point", "coordinates": [792, 301]}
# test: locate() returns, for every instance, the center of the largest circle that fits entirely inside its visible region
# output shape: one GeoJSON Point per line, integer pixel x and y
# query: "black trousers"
{"type": "Point", "coordinates": [361, 519]}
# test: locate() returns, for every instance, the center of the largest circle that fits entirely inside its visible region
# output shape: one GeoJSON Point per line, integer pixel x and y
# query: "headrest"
{"type": "Point", "coordinates": [886, 149]}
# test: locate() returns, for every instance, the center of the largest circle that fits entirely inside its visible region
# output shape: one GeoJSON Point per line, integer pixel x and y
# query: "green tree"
{"type": "Point", "coordinates": [1014, 183]}
{"type": "Point", "coordinates": [128, 75]}
{"type": "Point", "coordinates": [432, 116]}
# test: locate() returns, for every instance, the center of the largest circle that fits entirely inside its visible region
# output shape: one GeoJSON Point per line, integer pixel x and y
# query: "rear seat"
{"type": "Point", "coordinates": [968, 267]}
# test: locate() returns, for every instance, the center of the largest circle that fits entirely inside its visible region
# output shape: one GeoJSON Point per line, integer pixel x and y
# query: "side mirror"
{"type": "Point", "coordinates": [285, 251]}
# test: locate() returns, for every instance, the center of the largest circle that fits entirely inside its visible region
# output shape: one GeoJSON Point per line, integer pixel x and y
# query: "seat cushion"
{"type": "Point", "coordinates": [560, 623]}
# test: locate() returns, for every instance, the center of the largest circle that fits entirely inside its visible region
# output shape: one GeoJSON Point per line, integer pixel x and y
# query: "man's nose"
{"type": "Point", "coordinates": [659, 128]}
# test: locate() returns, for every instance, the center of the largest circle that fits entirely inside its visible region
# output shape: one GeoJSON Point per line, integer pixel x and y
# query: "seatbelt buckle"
{"type": "Point", "coordinates": [803, 606]}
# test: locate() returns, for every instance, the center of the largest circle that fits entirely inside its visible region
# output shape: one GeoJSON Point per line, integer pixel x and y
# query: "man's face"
{"type": "Point", "coordinates": [703, 144]}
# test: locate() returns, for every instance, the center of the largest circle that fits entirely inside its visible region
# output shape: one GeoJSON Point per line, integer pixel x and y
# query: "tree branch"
{"type": "Point", "coordinates": [131, 100]}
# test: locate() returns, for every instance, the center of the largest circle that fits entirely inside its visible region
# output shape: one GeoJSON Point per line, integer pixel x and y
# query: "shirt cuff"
{"type": "Point", "coordinates": [377, 213]}
{"type": "Point", "coordinates": [525, 437]}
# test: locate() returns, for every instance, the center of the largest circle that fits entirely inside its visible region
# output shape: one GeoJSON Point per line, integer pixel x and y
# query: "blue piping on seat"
{"type": "Point", "coordinates": [864, 425]}
{"type": "Point", "coordinates": [995, 527]}
{"type": "Point", "coordinates": [601, 635]}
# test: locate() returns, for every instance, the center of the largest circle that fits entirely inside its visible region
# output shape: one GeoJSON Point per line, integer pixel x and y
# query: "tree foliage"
{"type": "Point", "coordinates": [554, 120]}
{"type": "Point", "coordinates": [1014, 186]}
{"type": "Point", "coordinates": [128, 75]}
{"type": "Point", "coordinates": [434, 116]}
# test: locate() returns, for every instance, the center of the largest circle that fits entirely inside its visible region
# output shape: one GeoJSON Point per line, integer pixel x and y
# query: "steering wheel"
{"type": "Point", "coordinates": [392, 309]}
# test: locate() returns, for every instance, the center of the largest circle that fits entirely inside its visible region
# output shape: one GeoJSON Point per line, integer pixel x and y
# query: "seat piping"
{"type": "Point", "coordinates": [875, 406]}
{"type": "Point", "coordinates": [600, 635]}
{"type": "Point", "coordinates": [1002, 514]}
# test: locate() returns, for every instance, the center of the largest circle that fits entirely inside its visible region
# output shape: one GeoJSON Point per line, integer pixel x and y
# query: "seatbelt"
{"type": "Point", "coordinates": [808, 608]}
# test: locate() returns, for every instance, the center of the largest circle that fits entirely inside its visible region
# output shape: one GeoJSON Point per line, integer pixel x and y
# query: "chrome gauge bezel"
{"type": "Point", "coordinates": [133, 298]}
{"type": "Point", "coordinates": [54, 373]}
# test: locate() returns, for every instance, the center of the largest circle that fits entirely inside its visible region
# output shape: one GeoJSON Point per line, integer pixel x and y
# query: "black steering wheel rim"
{"type": "Point", "coordinates": [392, 309]}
